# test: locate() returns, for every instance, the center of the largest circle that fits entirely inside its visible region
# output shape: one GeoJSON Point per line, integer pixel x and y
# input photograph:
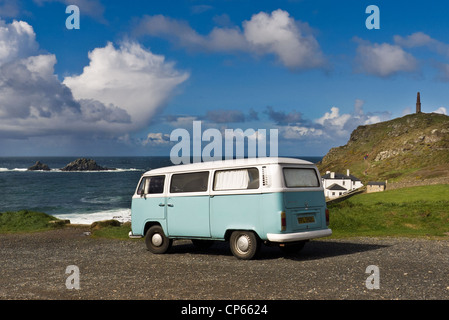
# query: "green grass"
{"type": "Point", "coordinates": [411, 212]}
{"type": "Point", "coordinates": [26, 221]}
{"type": "Point", "coordinates": [111, 229]}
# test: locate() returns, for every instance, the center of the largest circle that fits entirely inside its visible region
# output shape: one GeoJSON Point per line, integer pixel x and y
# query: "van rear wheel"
{"type": "Point", "coordinates": [244, 244]}
{"type": "Point", "coordinates": [156, 241]}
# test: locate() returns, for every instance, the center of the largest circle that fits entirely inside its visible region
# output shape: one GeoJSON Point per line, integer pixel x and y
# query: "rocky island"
{"type": "Point", "coordinates": [83, 164]}
{"type": "Point", "coordinates": [39, 166]}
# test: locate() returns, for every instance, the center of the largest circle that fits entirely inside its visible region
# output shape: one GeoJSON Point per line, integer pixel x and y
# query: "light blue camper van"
{"type": "Point", "coordinates": [244, 201]}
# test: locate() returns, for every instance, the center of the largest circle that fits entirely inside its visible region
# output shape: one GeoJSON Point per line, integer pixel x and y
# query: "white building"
{"type": "Point", "coordinates": [337, 184]}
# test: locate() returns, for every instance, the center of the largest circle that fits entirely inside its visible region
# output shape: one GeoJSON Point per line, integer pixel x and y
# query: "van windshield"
{"type": "Point", "coordinates": [300, 177]}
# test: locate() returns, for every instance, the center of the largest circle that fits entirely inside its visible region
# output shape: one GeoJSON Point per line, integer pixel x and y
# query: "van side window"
{"type": "Point", "coordinates": [151, 185]}
{"type": "Point", "coordinates": [300, 178]}
{"type": "Point", "coordinates": [189, 182]}
{"type": "Point", "coordinates": [240, 179]}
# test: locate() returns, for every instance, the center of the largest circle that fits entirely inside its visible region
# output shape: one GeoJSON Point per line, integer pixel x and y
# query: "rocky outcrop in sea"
{"type": "Point", "coordinates": [39, 166]}
{"type": "Point", "coordinates": [83, 164]}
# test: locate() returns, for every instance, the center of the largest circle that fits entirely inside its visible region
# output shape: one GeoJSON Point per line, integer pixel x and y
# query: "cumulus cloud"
{"type": "Point", "coordinates": [420, 39]}
{"type": "Point", "coordinates": [279, 34]}
{"type": "Point", "coordinates": [332, 125]}
{"type": "Point", "coordinates": [383, 59]}
{"type": "Point", "coordinates": [129, 77]}
{"type": "Point", "coordinates": [29, 89]}
{"type": "Point", "coordinates": [17, 40]}
{"type": "Point", "coordinates": [275, 33]}
{"type": "Point", "coordinates": [156, 139]}
{"type": "Point", "coordinates": [441, 110]}
{"type": "Point", "coordinates": [116, 94]}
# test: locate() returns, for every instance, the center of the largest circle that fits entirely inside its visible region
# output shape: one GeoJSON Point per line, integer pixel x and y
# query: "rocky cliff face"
{"type": "Point", "coordinates": [413, 147]}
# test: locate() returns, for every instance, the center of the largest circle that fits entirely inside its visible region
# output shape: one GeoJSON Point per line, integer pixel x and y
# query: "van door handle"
{"type": "Point", "coordinates": [161, 204]}
{"type": "Point", "coordinates": [169, 205]}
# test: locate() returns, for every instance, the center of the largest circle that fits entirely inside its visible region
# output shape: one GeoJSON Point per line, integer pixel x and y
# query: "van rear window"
{"type": "Point", "coordinates": [300, 178]}
{"type": "Point", "coordinates": [189, 182]}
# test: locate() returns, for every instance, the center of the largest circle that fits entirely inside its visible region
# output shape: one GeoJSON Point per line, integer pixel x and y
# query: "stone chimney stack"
{"type": "Point", "coordinates": [418, 104]}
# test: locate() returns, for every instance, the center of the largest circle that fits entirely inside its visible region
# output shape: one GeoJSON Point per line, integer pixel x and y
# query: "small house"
{"type": "Point", "coordinates": [338, 184]}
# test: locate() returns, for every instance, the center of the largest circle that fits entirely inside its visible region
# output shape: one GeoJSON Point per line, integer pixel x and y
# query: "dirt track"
{"type": "Point", "coordinates": [33, 267]}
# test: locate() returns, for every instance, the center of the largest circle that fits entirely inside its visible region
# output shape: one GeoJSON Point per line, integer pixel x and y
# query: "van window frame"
{"type": "Point", "coordinates": [284, 182]}
{"type": "Point", "coordinates": [149, 194]}
{"type": "Point", "coordinates": [188, 193]}
{"type": "Point", "coordinates": [237, 189]}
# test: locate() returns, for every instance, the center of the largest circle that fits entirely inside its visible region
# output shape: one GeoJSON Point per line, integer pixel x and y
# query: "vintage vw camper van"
{"type": "Point", "coordinates": [244, 201]}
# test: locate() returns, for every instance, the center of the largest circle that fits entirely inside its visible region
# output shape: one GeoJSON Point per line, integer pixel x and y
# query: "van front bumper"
{"type": "Point", "coordinates": [298, 236]}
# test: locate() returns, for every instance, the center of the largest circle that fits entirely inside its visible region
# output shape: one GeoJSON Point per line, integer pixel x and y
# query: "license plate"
{"type": "Point", "coordinates": [309, 219]}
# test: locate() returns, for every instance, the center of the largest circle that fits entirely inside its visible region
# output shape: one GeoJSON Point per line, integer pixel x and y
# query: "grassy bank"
{"type": "Point", "coordinates": [412, 212]}
{"type": "Point", "coordinates": [26, 221]}
{"type": "Point", "coordinates": [111, 229]}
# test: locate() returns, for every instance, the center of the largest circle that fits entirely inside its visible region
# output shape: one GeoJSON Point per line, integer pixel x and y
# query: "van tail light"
{"type": "Point", "coordinates": [283, 221]}
{"type": "Point", "coordinates": [327, 216]}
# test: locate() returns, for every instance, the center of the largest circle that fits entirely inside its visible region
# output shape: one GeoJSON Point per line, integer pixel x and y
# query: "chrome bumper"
{"type": "Point", "coordinates": [298, 236]}
{"type": "Point", "coordinates": [132, 236]}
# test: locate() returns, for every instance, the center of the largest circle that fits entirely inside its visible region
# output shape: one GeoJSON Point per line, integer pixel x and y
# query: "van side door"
{"type": "Point", "coordinates": [188, 205]}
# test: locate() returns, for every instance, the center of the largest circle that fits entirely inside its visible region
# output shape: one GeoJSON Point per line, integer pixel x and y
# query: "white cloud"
{"type": "Point", "coordinates": [116, 94]}
{"type": "Point", "coordinates": [441, 110]}
{"type": "Point", "coordinates": [297, 132]}
{"type": "Point", "coordinates": [129, 77]}
{"type": "Point", "coordinates": [17, 40]}
{"type": "Point", "coordinates": [333, 125]}
{"type": "Point", "coordinates": [383, 59]}
{"type": "Point", "coordinates": [420, 39]}
{"type": "Point", "coordinates": [155, 139]}
{"type": "Point", "coordinates": [277, 33]}
{"type": "Point", "coordinates": [334, 119]}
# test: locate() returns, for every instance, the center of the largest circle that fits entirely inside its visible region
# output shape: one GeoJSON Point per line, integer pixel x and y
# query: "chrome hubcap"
{"type": "Point", "coordinates": [243, 243]}
{"type": "Point", "coordinates": [156, 239]}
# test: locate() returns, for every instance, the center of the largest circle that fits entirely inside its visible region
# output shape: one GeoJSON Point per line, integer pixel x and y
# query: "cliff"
{"type": "Point", "coordinates": [413, 147]}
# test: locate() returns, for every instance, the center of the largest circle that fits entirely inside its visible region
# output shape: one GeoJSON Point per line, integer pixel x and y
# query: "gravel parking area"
{"type": "Point", "coordinates": [33, 267]}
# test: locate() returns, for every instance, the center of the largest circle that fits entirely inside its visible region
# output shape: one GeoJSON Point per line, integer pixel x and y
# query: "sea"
{"type": "Point", "coordinates": [82, 197]}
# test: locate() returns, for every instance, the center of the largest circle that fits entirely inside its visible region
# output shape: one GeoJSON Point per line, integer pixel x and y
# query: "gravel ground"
{"type": "Point", "coordinates": [33, 267]}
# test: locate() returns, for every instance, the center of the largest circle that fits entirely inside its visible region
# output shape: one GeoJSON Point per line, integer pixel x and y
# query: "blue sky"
{"type": "Point", "coordinates": [137, 70]}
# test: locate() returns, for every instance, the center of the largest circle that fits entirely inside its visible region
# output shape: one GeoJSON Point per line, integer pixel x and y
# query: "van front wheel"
{"type": "Point", "coordinates": [156, 241]}
{"type": "Point", "coordinates": [244, 244]}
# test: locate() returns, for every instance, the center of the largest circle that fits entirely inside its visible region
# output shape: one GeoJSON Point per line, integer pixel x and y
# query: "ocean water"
{"type": "Point", "coordinates": [81, 197]}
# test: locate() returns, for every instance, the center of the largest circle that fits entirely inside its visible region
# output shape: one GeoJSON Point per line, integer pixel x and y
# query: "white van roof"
{"type": "Point", "coordinates": [227, 164]}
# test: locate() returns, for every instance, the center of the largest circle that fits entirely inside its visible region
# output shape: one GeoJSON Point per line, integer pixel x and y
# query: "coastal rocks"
{"type": "Point", "coordinates": [83, 164]}
{"type": "Point", "coordinates": [39, 166]}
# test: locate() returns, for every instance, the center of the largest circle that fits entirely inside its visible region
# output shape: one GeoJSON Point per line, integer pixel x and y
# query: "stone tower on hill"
{"type": "Point", "coordinates": [418, 104]}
